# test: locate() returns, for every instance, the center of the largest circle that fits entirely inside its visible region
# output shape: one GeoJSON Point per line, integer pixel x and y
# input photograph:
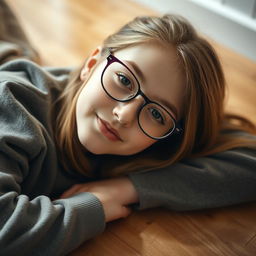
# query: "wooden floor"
{"type": "Point", "coordinates": [64, 32]}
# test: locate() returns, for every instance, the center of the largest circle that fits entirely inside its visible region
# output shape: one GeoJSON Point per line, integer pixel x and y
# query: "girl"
{"type": "Point", "coordinates": [140, 123]}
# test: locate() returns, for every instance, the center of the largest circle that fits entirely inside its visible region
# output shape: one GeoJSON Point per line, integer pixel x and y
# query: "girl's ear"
{"type": "Point", "coordinates": [90, 63]}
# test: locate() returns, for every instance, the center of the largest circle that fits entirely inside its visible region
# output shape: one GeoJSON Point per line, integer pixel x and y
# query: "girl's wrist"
{"type": "Point", "coordinates": [128, 188]}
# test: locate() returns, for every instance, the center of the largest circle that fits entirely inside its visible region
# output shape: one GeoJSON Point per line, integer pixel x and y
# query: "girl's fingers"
{"type": "Point", "coordinates": [126, 211]}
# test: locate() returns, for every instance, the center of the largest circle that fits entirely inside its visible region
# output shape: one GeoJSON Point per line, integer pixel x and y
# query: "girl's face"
{"type": "Point", "coordinates": [107, 126]}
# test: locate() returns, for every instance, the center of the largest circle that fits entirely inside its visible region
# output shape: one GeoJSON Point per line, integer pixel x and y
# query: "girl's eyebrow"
{"type": "Point", "coordinates": [139, 74]}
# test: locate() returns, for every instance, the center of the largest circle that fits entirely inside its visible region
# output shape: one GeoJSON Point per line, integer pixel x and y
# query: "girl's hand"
{"type": "Point", "coordinates": [115, 195]}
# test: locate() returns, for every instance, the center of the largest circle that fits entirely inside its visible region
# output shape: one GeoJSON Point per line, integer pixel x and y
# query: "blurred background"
{"type": "Point", "coordinates": [82, 23]}
{"type": "Point", "coordinates": [230, 22]}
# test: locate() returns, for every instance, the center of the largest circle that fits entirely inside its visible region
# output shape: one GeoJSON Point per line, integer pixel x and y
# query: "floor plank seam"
{"type": "Point", "coordinates": [250, 240]}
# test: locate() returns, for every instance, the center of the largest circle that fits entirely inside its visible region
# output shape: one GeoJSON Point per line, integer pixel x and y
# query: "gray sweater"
{"type": "Point", "coordinates": [32, 222]}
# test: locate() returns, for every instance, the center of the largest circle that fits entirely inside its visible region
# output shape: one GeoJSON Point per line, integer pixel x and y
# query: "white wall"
{"type": "Point", "coordinates": [230, 22]}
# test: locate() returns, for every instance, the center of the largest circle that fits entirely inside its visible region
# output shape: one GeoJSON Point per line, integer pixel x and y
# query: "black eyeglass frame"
{"type": "Point", "coordinates": [177, 127]}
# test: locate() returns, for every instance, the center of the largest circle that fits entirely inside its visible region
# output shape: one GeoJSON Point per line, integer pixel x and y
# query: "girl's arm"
{"type": "Point", "coordinates": [32, 226]}
{"type": "Point", "coordinates": [115, 195]}
{"type": "Point", "coordinates": [218, 180]}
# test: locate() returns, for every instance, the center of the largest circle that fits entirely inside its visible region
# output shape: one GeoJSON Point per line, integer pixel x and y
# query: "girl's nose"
{"type": "Point", "coordinates": [126, 112]}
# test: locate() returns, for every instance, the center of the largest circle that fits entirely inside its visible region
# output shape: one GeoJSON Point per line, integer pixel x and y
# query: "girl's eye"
{"type": "Point", "coordinates": [124, 80]}
{"type": "Point", "coordinates": [157, 115]}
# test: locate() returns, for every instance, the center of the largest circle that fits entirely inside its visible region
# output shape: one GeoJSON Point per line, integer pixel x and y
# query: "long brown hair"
{"type": "Point", "coordinates": [204, 121]}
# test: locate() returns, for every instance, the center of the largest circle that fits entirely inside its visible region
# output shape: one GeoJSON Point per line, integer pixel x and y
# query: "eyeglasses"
{"type": "Point", "coordinates": [120, 84]}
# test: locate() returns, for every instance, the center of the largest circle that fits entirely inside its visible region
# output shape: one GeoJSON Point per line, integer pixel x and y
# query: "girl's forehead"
{"type": "Point", "coordinates": [151, 55]}
{"type": "Point", "coordinates": [145, 49]}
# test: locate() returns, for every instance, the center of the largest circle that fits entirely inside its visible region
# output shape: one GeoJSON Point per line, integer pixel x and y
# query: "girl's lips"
{"type": "Point", "coordinates": [107, 130]}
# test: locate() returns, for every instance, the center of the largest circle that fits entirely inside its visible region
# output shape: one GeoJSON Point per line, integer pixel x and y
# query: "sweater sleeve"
{"type": "Point", "coordinates": [218, 180]}
{"type": "Point", "coordinates": [42, 227]}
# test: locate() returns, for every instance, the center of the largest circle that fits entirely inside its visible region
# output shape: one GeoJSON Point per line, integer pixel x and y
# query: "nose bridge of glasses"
{"type": "Point", "coordinates": [134, 103]}
{"type": "Point", "coordinates": [138, 101]}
